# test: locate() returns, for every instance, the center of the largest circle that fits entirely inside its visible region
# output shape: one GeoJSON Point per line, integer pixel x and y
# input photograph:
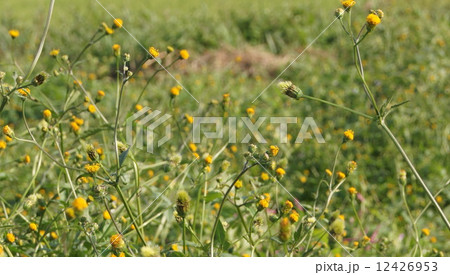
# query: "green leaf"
{"type": "Point", "coordinates": [220, 236]}
{"type": "Point", "coordinates": [212, 196]}
{"type": "Point", "coordinates": [123, 156]}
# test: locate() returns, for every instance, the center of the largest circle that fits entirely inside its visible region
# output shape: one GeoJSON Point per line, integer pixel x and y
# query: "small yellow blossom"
{"type": "Point", "coordinates": [373, 20]}
{"type": "Point", "coordinates": [2, 144]}
{"type": "Point", "coordinates": [117, 23]}
{"type": "Point", "coordinates": [26, 159]}
{"type": "Point", "coordinates": [106, 215]}
{"type": "Point", "coordinates": [340, 175]}
{"type": "Point", "coordinates": [264, 176]}
{"type": "Point", "coordinates": [352, 191]}
{"type": "Point", "coordinates": [349, 135]}
{"type": "Point", "coordinates": [54, 235]}
{"type": "Point", "coordinates": [92, 168]}
{"type": "Point", "coordinates": [294, 216]}
{"type": "Point", "coordinates": [348, 3]}
{"type": "Point", "coordinates": [116, 241]}
{"type": "Point", "coordinates": [10, 237]}
{"type": "Point", "coordinates": [263, 204]}
{"type": "Point", "coordinates": [288, 204]}
{"type": "Point", "coordinates": [280, 171]}
{"type": "Point", "coordinates": [274, 150]}
{"type": "Point", "coordinates": [238, 184]}
{"type": "Point", "coordinates": [355, 244]}
{"type": "Point", "coordinates": [174, 91]}
{"type": "Point", "coordinates": [70, 213]}
{"type": "Point", "coordinates": [189, 119]}
{"type": "Point", "coordinates": [250, 111]}
{"type": "Point", "coordinates": [426, 231]}
{"type": "Point", "coordinates": [47, 114]}
{"type": "Point", "coordinates": [208, 159]}
{"type": "Point", "coordinates": [54, 52]}
{"type": "Point", "coordinates": [193, 147]}
{"type": "Point", "coordinates": [33, 226]}
{"type": "Point", "coordinates": [174, 247]}
{"type": "Point", "coordinates": [79, 204]}
{"type": "Point", "coordinates": [153, 52]}
{"type": "Point", "coordinates": [91, 109]}
{"type": "Point", "coordinates": [14, 33]}
{"type": "Point", "coordinates": [75, 127]}
{"type": "Point", "coordinates": [184, 54]}
{"type": "Point", "coordinates": [116, 49]}
{"type": "Point", "coordinates": [24, 91]}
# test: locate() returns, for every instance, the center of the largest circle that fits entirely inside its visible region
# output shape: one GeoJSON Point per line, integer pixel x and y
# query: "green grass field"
{"type": "Point", "coordinates": [132, 205]}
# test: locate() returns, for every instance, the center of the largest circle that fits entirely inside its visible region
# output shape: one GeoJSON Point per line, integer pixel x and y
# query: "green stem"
{"type": "Point", "coordinates": [416, 174]}
{"type": "Point", "coordinates": [413, 224]}
{"type": "Point", "coordinates": [130, 213]}
{"type": "Point", "coordinates": [245, 169]}
{"type": "Point", "coordinates": [184, 236]}
{"type": "Point", "coordinates": [357, 216]}
{"type": "Point", "coordinates": [41, 44]}
{"type": "Point", "coordinates": [337, 106]}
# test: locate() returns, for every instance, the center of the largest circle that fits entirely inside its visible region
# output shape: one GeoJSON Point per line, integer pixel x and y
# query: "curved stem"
{"type": "Point", "coordinates": [245, 169]}
{"type": "Point", "coordinates": [41, 44]}
{"type": "Point", "coordinates": [413, 224]}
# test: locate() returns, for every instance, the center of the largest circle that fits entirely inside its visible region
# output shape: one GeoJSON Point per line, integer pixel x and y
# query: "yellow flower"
{"type": "Point", "coordinates": [216, 206]}
{"type": "Point", "coordinates": [190, 119]}
{"type": "Point", "coordinates": [285, 229]}
{"type": "Point", "coordinates": [366, 239]}
{"type": "Point", "coordinates": [352, 191]}
{"type": "Point", "coordinates": [24, 91]}
{"type": "Point", "coordinates": [426, 231]}
{"type": "Point", "coordinates": [47, 114]}
{"type": "Point", "coordinates": [107, 29]}
{"type": "Point", "coordinates": [174, 91]}
{"type": "Point", "coordinates": [117, 23]}
{"type": "Point", "coordinates": [2, 144]}
{"type": "Point", "coordinates": [433, 239]}
{"type": "Point", "coordinates": [77, 82]}
{"type": "Point", "coordinates": [349, 135]}
{"type": "Point", "coordinates": [70, 213]}
{"type": "Point", "coordinates": [373, 20]}
{"type": "Point", "coordinates": [78, 121]}
{"type": "Point", "coordinates": [288, 205]}
{"type": "Point", "coordinates": [116, 49]}
{"type": "Point", "coordinates": [92, 168]}
{"type": "Point", "coordinates": [27, 159]}
{"type": "Point", "coordinates": [153, 52]}
{"type": "Point", "coordinates": [238, 184]}
{"type": "Point", "coordinates": [196, 155]}
{"type": "Point", "coordinates": [250, 111]}
{"type": "Point", "coordinates": [348, 3]}
{"type": "Point", "coordinates": [267, 196]}
{"type": "Point", "coordinates": [54, 235]}
{"type": "Point", "coordinates": [106, 215]}
{"type": "Point", "coordinates": [184, 54]}
{"type": "Point", "coordinates": [208, 159]}
{"type": "Point", "coordinates": [10, 237]}
{"type": "Point", "coordinates": [79, 204]}
{"type": "Point", "coordinates": [174, 247]}
{"type": "Point", "coordinates": [91, 109]}
{"type": "Point", "coordinates": [193, 147]}
{"type": "Point", "coordinates": [355, 244]}
{"type": "Point", "coordinates": [340, 175]}
{"type": "Point", "coordinates": [274, 150]}
{"type": "Point", "coordinates": [33, 226]}
{"type": "Point", "coordinates": [138, 107]}
{"type": "Point", "coordinates": [294, 216]}
{"type": "Point", "coordinates": [263, 204]}
{"type": "Point", "coordinates": [264, 176]}
{"type": "Point", "coordinates": [116, 241]}
{"type": "Point", "coordinates": [74, 126]}
{"type": "Point", "coordinates": [100, 94]}
{"type": "Point", "coordinates": [14, 33]}
{"type": "Point", "coordinates": [54, 52]}
{"type": "Point", "coordinates": [233, 148]}
{"type": "Point", "coordinates": [280, 171]}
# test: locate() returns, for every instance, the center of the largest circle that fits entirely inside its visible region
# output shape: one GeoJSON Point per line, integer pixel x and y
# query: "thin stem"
{"type": "Point", "coordinates": [413, 224]}
{"type": "Point", "coordinates": [357, 216]}
{"type": "Point", "coordinates": [41, 44]}
{"type": "Point", "coordinates": [245, 169]}
{"type": "Point", "coordinates": [130, 213]}
{"type": "Point", "coordinates": [337, 106]}
{"type": "Point", "coordinates": [416, 174]}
